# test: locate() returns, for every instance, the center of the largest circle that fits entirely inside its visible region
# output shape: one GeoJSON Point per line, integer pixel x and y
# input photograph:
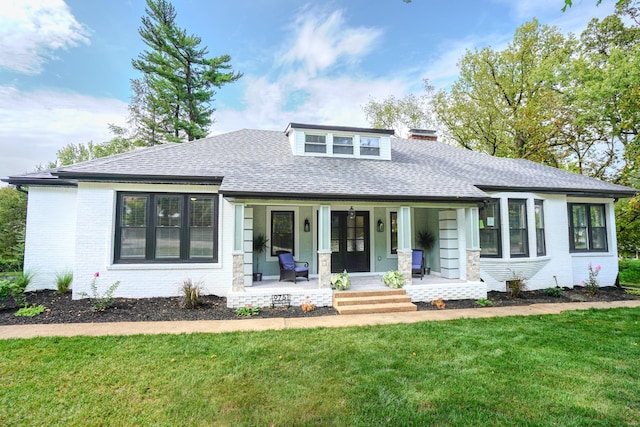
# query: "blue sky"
{"type": "Point", "coordinates": [65, 65]}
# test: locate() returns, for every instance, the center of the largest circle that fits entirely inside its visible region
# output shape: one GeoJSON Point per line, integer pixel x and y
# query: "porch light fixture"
{"type": "Point", "coordinates": [352, 213]}
{"type": "Point", "coordinates": [380, 226]}
{"type": "Point", "coordinates": [307, 225]}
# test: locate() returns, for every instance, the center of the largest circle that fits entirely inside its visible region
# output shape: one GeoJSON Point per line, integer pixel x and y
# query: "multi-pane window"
{"type": "Point", "coordinates": [587, 227]}
{"type": "Point", "coordinates": [315, 143]}
{"type": "Point", "coordinates": [489, 218]}
{"type": "Point", "coordinates": [369, 146]}
{"type": "Point", "coordinates": [342, 145]}
{"type": "Point", "coordinates": [282, 233]}
{"type": "Point", "coordinates": [518, 234]}
{"type": "Point", "coordinates": [541, 248]}
{"type": "Point", "coordinates": [158, 227]}
{"type": "Point", "coordinates": [393, 229]}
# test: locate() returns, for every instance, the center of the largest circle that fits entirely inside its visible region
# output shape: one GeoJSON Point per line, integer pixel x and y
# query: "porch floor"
{"type": "Point", "coordinates": [362, 282]}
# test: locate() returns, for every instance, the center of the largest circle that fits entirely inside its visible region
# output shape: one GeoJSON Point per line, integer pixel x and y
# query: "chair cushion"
{"type": "Point", "coordinates": [300, 269]}
{"type": "Point", "coordinates": [286, 260]}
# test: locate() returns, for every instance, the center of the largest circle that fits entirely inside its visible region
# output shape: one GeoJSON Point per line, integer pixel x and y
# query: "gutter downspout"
{"type": "Point", "coordinates": [20, 189]}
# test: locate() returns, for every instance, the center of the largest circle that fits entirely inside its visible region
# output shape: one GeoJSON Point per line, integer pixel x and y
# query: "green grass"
{"type": "Point", "coordinates": [629, 271]}
{"type": "Point", "coordinates": [574, 369]}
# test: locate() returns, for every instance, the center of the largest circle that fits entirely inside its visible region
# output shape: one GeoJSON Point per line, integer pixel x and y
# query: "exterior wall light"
{"type": "Point", "coordinates": [380, 226]}
{"type": "Point", "coordinates": [307, 225]}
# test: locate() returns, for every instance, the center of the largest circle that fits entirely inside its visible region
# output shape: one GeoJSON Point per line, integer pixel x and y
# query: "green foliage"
{"type": "Point", "coordinates": [19, 285]}
{"type": "Point", "coordinates": [100, 301]}
{"type": "Point", "coordinates": [248, 311]}
{"type": "Point", "coordinates": [13, 217]}
{"type": "Point", "coordinates": [577, 368]}
{"type": "Point", "coordinates": [633, 291]}
{"type": "Point", "coordinates": [628, 226]}
{"type": "Point", "coordinates": [393, 279]}
{"type": "Point", "coordinates": [173, 98]}
{"type": "Point", "coordinates": [425, 240]}
{"type": "Point", "coordinates": [191, 293]}
{"type": "Point", "coordinates": [341, 281]}
{"type": "Point", "coordinates": [30, 311]}
{"type": "Point", "coordinates": [5, 291]}
{"type": "Point", "coordinates": [629, 271]}
{"type": "Point", "coordinates": [63, 281]}
{"type": "Point", "coordinates": [259, 246]}
{"type": "Point", "coordinates": [484, 302]}
{"type": "Point", "coordinates": [554, 292]}
{"type": "Point", "coordinates": [409, 112]}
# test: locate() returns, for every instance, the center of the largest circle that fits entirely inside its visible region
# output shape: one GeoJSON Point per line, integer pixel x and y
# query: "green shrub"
{"type": "Point", "coordinates": [19, 286]}
{"type": "Point", "coordinates": [191, 293]}
{"type": "Point", "coordinates": [629, 271]}
{"type": "Point", "coordinates": [63, 281]}
{"type": "Point", "coordinates": [633, 292]}
{"type": "Point", "coordinates": [393, 279]}
{"type": "Point", "coordinates": [591, 285]}
{"type": "Point", "coordinates": [5, 291]}
{"type": "Point", "coordinates": [484, 302]}
{"type": "Point", "coordinates": [516, 286]}
{"type": "Point", "coordinates": [554, 292]}
{"type": "Point", "coordinates": [248, 311]}
{"type": "Point", "coordinates": [341, 281]}
{"type": "Point", "coordinates": [98, 301]}
{"type": "Point", "coordinates": [30, 311]}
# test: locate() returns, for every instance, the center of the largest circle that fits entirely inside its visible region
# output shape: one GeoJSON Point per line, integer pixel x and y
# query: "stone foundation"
{"type": "Point", "coordinates": [404, 266]}
{"type": "Point", "coordinates": [447, 291]}
{"type": "Point", "coordinates": [238, 271]}
{"type": "Point", "coordinates": [324, 270]}
{"type": "Point", "coordinates": [473, 265]}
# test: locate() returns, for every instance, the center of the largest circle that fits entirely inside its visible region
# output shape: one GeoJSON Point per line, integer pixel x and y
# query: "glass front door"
{"type": "Point", "coordinates": [350, 242]}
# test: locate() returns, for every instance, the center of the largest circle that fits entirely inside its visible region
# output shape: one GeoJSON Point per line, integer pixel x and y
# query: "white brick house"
{"type": "Point", "coordinates": [337, 197]}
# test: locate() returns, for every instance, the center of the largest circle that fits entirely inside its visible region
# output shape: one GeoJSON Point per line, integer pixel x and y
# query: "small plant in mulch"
{"type": "Point", "coordinates": [63, 281]}
{"type": "Point", "coordinates": [341, 281]}
{"type": "Point", "coordinates": [100, 301]}
{"type": "Point", "coordinates": [484, 302]}
{"type": "Point", "coordinates": [248, 311]}
{"type": "Point", "coordinates": [30, 311]}
{"type": "Point", "coordinates": [191, 293]}
{"type": "Point", "coordinates": [516, 285]}
{"type": "Point", "coordinates": [591, 285]}
{"type": "Point", "coordinates": [438, 303]}
{"type": "Point", "coordinates": [307, 305]}
{"type": "Point", "coordinates": [555, 292]}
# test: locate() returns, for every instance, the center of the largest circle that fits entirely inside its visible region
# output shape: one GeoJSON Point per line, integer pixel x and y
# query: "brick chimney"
{"type": "Point", "coordinates": [423, 134]}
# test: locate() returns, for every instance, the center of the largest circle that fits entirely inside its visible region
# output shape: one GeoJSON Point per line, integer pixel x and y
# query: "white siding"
{"type": "Point", "coordinates": [95, 244]}
{"type": "Point", "coordinates": [558, 265]}
{"type": "Point", "coordinates": [50, 236]}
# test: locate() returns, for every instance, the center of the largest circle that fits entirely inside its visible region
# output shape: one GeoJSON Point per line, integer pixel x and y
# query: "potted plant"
{"type": "Point", "coordinates": [393, 279]}
{"type": "Point", "coordinates": [426, 240]}
{"type": "Point", "coordinates": [259, 246]}
{"type": "Point", "coordinates": [341, 281]}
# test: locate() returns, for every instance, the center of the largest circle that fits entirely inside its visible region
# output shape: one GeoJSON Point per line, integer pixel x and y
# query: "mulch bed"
{"type": "Point", "coordinates": [62, 309]}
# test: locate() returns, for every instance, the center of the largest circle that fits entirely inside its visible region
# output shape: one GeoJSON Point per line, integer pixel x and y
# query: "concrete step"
{"type": "Point", "coordinates": [373, 301]}
{"type": "Point", "coordinates": [365, 300]}
{"type": "Point", "coordinates": [371, 293]}
{"type": "Point", "coordinates": [377, 308]}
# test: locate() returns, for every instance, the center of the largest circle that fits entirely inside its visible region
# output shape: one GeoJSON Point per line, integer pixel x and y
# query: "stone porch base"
{"type": "Point", "coordinates": [419, 292]}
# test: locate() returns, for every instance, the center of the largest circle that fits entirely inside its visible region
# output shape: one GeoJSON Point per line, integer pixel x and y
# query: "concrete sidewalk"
{"type": "Point", "coordinates": [219, 326]}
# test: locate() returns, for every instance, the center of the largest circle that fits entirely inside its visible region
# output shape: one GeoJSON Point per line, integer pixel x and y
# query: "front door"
{"type": "Point", "coordinates": [349, 242]}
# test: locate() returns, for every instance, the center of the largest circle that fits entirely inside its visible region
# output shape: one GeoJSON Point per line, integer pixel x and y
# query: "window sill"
{"type": "Point", "coordinates": [159, 266]}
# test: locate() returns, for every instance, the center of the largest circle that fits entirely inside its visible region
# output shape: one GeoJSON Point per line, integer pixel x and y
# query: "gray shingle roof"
{"type": "Point", "coordinates": [260, 163]}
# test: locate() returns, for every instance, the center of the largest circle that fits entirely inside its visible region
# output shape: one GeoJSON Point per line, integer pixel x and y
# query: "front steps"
{"type": "Point", "coordinates": [383, 301]}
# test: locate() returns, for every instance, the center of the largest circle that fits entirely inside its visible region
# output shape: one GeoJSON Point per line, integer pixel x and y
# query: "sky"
{"type": "Point", "coordinates": [65, 65]}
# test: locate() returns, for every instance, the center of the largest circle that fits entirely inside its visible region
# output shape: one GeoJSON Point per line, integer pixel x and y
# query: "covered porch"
{"type": "Point", "coordinates": [363, 239]}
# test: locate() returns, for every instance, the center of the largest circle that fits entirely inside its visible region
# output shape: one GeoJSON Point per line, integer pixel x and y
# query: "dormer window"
{"type": "Point", "coordinates": [342, 145]}
{"type": "Point", "coordinates": [369, 146]}
{"type": "Point", "coordinates": [315, 143]}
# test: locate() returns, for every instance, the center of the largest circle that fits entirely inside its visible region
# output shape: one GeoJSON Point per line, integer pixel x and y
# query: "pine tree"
{"type": "Point", "coordinates": [172, 101]}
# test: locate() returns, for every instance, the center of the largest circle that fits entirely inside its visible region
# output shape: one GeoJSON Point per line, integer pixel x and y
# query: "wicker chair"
{"type": "Point", "coordinates": [288, 268]}
{"type": "Point", "coordinates": [417, 263]}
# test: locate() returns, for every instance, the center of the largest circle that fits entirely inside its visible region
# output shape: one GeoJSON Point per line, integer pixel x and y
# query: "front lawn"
{"type": "Point", "coordinates": [577, 368]}
{"type": "Point", "coordinates": [630, 272]}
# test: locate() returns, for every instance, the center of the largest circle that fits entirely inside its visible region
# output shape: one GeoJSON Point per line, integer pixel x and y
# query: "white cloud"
{"type": "Point", "coordinates": [323, 39]}
{"type": "Point", "coordinates": [35, 125]}
{"type": "Point", "coordinates": [306, 90]}
{"type": "Point", "coordinates": [32, 30]}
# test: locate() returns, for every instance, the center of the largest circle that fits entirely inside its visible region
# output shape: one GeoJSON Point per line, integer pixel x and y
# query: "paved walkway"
{"type": "Point", "coordinates": [219, 326]}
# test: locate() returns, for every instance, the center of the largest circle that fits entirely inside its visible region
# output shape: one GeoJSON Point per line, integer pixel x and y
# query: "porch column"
{"type": "Point", "coordinates": [324, 246]}
{"type": "Point", "coordinates": [473, 244]}
{"type": "Point", "coordinates": [238, 248]}
{"type": "Point", "coordinates": [404, 244]}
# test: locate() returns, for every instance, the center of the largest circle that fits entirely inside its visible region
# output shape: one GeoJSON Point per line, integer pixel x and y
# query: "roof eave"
{"type": "Point", "coordinates": [54, 182]}
{"type": "Point", "coordinates": [351, 197]}
{"type": "Point", "coordinates": [568, 191]}
{"type": "Point", "coordinates": [140, 178]}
